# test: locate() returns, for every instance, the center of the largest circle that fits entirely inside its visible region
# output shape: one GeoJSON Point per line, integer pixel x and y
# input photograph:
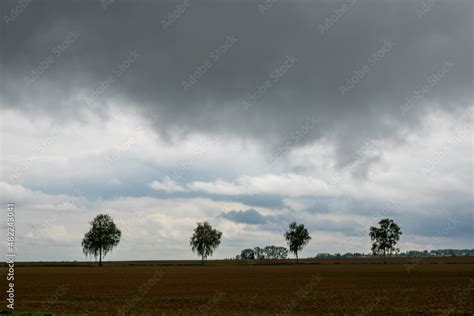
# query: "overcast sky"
{"type": "Point", "coordinates": [246, 114]}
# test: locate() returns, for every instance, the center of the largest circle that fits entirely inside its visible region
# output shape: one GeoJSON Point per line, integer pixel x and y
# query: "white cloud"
{"type": "Point", "coordinates": [284, 184]}
{"type": "Point", "coordinates": [168, 185]}
{"type": "Point", "coordinates": [295, 204]}
{"type": "Point", "coordinates": [397, 176]}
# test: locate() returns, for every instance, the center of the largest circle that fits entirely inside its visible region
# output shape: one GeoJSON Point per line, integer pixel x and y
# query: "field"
{"type": "Point", "coordinates": [362, 286]}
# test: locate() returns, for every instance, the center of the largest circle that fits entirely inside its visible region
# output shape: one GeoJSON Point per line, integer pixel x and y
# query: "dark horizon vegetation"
{"type": "Point", "coordinates": [307, 261]}
{"type": "Point", "coordinates": [436, 253]}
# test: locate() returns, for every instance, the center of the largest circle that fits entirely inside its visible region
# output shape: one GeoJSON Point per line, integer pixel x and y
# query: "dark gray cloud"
{"type": "Point", "coordinates": [275, 223]}
{"type": "Point", "coordinates": [311, 84]}
{"type": "Point", "coordinates": [346, 226]}
{"type": "Point", "coordinates": [250, 216]}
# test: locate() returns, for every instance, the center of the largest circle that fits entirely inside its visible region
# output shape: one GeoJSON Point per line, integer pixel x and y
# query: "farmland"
{"type": "Point", "coordinates": [363, 286]}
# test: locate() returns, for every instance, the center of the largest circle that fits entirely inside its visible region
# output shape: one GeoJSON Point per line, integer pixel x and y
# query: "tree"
{"type": "Point", "coordinates": [259, 254]}
{"type": "Point", "coordinates": [273, 252]}
{"type": "Point", "coordinates": [102, 237]}
{"type": "Point", "coordinates": [385, 237]}
{"type": "Point", "coordinates": [247, 254]}
{"type": "Point", "coordinates": [269, 252]}
{"type": "Point", "coordinates": [297, 237]}
{"type": "Point", "coordinates": [281, 253]}
{"type": "Point", "coordinates": [205, 240]}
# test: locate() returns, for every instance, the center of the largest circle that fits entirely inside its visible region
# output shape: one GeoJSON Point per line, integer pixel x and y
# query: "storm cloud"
{"type": "Point", "coordinates": [243, 69]}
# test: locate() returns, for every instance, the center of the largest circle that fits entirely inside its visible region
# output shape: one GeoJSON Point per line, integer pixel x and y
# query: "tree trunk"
{"type": "Point", "coordinates": [296, 253]}
{"type": "Point", "coordinates": [202, 259]}
{"type": "Point", "coordinates": [100, 257]}
{"type": "Point", "coordinates": [384, 261]}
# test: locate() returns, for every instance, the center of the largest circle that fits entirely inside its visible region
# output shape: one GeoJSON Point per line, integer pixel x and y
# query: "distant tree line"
{"type": "Point", "coordinates": [324, 255]}
{"type": "Point", "coordinates": [410, 253]}
{"type": "Point", "coordinates": [268, 252]}
{"type": "Point", "coordinates": [438, 252]}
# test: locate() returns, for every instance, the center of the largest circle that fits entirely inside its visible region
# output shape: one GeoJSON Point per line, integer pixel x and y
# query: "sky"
{"type": "Point", "coordinates": [245, 114]}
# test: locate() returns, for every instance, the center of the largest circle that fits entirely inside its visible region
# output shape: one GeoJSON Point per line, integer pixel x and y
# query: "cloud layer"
{"type": "Point", "coordinates": [383, 59]}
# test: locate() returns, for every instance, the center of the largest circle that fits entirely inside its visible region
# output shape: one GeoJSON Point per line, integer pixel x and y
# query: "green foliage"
{"type": "Point", "coordinates": [258, 252]}
{"type": "Point", "coordinates": [273, 252]}
{"type": "Point", "coordinates": [102, 237]}
{"type": "Point", "coordinates": [326, 255]}
{"type": "Point", "coordinates": [440, 253]}
{"type": "Point", "coordinates": [269, 252]}
{"type": "Point", "coordinates": [205, 240]}
{"type": "Point", "coordinates": [297, 237]}
{"type": "Point", "coordinates": [247, 254]}
{"type": "Point", "coordinates": [385, 237]}
{"type": "Point", "coordinates": [409, 253]}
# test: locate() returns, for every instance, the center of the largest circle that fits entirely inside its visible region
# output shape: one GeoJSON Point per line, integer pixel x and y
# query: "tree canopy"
{"type": "Point", "coordinates": [385, 237]}
{"type": "Point", "coordinates": [297, 237]}
{"type": "Point", "coordinates": [102, 237]}
{"type": "Point", "coordinates": [269, 252]}
{"type": "Point", "coordinates": [205, 240]}
{"type": "Point", "coordinates": [274, 252]}
{"type": "Point", "coordinates": [247, 254]}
